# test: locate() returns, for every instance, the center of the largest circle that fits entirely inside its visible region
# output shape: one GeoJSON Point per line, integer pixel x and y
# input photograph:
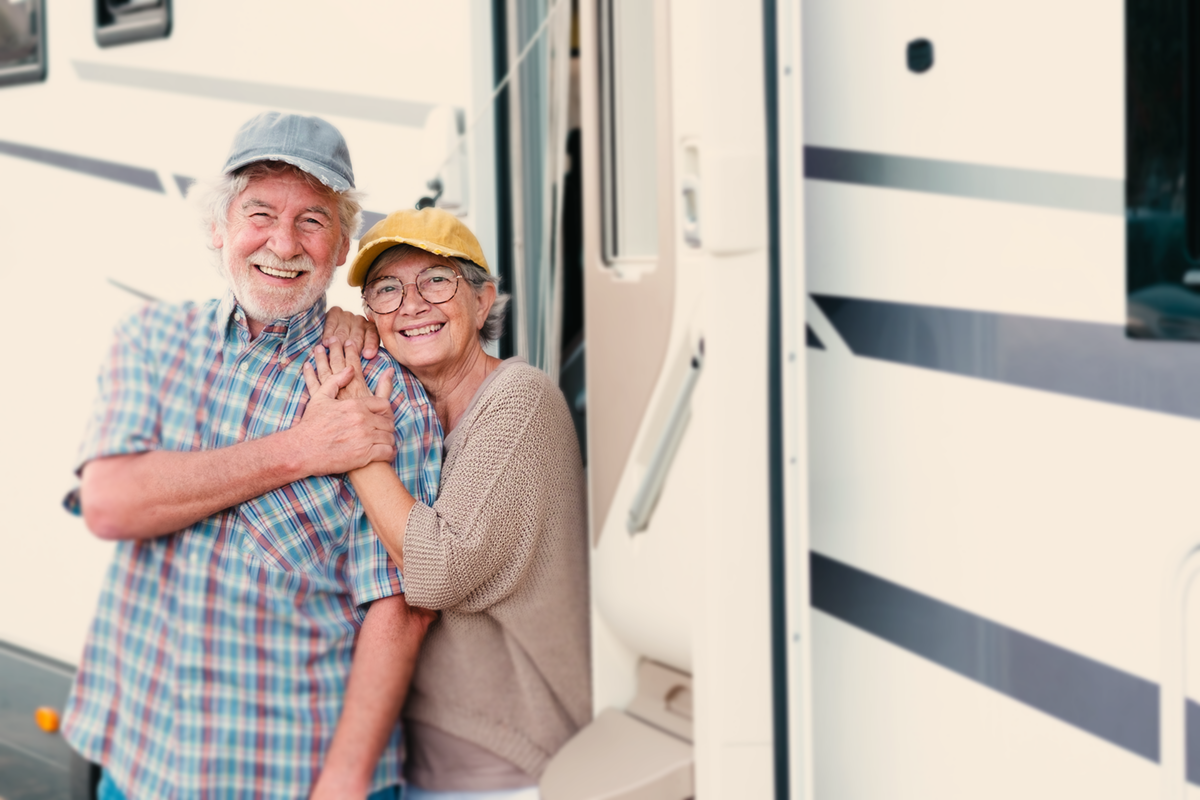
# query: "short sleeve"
{"type": "Point", "coordinates": [125, 410]}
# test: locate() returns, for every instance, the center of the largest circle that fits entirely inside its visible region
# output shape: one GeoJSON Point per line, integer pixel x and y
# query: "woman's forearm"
{"type": "Point", "coordinates": [387, 503]}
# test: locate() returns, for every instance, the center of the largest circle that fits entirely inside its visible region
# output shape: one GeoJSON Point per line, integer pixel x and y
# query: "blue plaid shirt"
{"type": "Point", "coordinates": [218, 659]}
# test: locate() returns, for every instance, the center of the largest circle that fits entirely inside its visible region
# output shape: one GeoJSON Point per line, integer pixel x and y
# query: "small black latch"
{"type": "Point", "coordinates": [920, 55]}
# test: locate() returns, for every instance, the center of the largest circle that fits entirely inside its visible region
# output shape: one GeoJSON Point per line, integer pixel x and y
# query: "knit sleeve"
{"type": "Point", "coordinates": [471, 547]}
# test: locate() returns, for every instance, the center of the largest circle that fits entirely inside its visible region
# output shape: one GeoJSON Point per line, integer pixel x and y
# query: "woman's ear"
{"type": "Point", "coordinates": [484, 299]}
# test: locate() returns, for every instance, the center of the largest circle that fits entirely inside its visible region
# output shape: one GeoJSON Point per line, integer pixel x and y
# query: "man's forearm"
{"type": "Point", "coordinates": [384, 658]}
{"type": "Point", "coordinates": [144, 495]}
{"type": "Point", "coordinates": [150, 494]}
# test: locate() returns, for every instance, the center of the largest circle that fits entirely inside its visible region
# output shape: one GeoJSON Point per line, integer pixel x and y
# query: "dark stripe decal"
{"type": "Point", "coordinates": [135, 292]}
{"type": "Point", "coordinates": [976, 181]}
{"type": "Point", "coordinates": [369, 218]}
{"type": "Point", "coordinates": [1116, 706]}
{"type": "Point", "coordinates": [1080, 359]}
{"type": "Point", "coordinates": [811, 339]}
{"type": "Point", "coordinates": [342, 104]}
{"type": "Point", "coordinates": [184, 183]}
{"type": "Point", "coordinates": [109, 170]}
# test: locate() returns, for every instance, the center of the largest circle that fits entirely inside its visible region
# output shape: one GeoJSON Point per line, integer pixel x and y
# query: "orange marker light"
{"type": "Point", "coordinates": [47, 719]}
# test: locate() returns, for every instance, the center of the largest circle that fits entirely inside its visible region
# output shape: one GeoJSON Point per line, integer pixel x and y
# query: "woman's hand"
{"type": "Point", "coordinates": [345, 327]}
{"type": "Point", "coordinates": [332, 368]}
{"type": "Point", "coordinates": [336, 436]}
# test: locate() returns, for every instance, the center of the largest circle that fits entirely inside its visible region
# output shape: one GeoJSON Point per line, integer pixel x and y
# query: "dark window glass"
{"type": "Point", "coordinates": [22, 41]}
{"type": "Point", "coordinates": [122, 21]}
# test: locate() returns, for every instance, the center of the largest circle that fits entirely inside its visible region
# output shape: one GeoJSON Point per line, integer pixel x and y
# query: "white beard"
{"type": "Point", "coordinates": [266, 304]}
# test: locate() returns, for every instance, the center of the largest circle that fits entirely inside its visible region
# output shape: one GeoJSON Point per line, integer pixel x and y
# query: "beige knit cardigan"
{"type": "Point", "coordinates": [503, 554]}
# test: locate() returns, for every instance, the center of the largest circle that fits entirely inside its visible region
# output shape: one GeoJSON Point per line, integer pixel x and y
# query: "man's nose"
{"type": "Point", "coordinates": [284, 242]}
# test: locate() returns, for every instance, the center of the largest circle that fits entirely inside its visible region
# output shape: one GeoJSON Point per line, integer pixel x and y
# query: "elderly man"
{"type": "Point", "coordinates": [252, 638]}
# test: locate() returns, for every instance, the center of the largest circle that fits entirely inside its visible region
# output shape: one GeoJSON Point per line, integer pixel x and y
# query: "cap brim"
{"type": "Point", "coordinates": [363, 259]}
{"type": "Point", "coordinates": [325, 175]}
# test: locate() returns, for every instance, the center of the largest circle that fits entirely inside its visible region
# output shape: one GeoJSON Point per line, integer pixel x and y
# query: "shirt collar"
{"type": "Point", "coordinates": [299, 333]}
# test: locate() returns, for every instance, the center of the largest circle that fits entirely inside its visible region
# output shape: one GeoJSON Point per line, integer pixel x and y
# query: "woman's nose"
{"type": "Point", "coordinates": [412, 302]}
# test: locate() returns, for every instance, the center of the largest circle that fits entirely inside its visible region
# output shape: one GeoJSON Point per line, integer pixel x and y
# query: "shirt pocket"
{"type": "Point", "coordinates": [300, 528]}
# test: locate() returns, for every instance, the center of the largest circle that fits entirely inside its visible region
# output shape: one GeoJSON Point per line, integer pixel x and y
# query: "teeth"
{"type": "Point", "coordinates": [427, 329]}
{"type": "Point", "coordinates": [278, 273]}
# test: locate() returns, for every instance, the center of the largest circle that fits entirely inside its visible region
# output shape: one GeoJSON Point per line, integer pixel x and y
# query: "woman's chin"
{"type": "Point", "coordinates": [415, 356]}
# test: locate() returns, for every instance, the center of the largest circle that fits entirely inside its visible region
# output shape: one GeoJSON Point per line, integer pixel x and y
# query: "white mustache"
{"type": "Point", "coordinates": [298, 263]}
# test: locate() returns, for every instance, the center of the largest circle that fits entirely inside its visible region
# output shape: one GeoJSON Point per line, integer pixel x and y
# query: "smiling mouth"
{"type": "Point", "coordinates": [275, 272]}
{"type": "Point", "coordinates": [411, 332]}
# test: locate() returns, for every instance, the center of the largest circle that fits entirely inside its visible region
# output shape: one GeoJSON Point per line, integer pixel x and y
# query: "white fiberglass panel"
{"type": "Point", "coordinates": [890, 724]}
{"type": "Point", "coordinates": [914, 247]}
{"type": "Point", "coordinates": [1018, 83]}
{"type": "Point", "coordinates": [1055, 516]}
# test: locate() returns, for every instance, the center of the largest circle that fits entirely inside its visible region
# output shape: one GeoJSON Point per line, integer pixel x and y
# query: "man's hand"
{"type": "Point", "coordinates": [344, 327]}
{"type": "Point", "coordinates": [336, 436]}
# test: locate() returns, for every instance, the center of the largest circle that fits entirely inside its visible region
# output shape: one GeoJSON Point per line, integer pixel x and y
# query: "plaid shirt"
{"type": "Point", "coordinates": [218, 659]}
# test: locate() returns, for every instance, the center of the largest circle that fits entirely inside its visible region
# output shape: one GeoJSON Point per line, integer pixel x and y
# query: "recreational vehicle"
{"type": "Point", "coordinates": [878, 321]}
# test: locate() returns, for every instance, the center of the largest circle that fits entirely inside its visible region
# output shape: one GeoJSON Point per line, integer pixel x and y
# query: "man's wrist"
{"type": "Point", "coordinates": [287, 452]}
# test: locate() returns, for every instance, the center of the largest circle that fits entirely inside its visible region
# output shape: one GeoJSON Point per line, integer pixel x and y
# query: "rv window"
{"type": "Point", "coordinates": [122, 21]}
{"type": "Point", "coordinates": [22, 41]}
{"type": "Point", "coordinates": [628, 126]}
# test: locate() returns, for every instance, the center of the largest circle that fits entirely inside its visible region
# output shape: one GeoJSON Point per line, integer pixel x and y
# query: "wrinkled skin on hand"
{"type": "Point", "coordinates": [332, 366]}
{"type": "Point", "coordinates": [344, 327]}
{"type": "Point", "coordinates": [344, 433]}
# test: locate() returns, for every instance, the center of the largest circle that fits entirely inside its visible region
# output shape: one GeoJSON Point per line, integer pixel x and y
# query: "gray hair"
{"type": "Point", "coordinates": [216, 197]}
{"type": "Point", "coordinates": [475, 275]}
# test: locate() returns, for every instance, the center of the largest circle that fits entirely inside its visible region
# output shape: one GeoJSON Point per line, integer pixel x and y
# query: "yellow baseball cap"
{"type": "Point", "coordinates": [430, 229]}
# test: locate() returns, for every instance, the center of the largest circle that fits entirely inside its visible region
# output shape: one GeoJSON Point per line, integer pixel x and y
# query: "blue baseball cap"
{"type": "Point", "coordinates": [310, 143]}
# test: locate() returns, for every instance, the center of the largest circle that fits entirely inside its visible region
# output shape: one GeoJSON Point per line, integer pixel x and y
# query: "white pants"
{"type": "Point", "coordinates": [528, 793]}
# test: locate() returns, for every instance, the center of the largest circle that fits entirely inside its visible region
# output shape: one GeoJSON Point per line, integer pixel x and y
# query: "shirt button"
{"type": "Point", "coordinates": [244, 366]}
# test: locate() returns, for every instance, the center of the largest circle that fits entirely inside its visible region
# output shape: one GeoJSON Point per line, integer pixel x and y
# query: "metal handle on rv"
{"type": "Point", "coordinates": [646, 498]}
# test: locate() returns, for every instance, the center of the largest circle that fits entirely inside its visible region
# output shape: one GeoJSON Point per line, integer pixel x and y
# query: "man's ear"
{"type": "Point", "coordinates": [344, 251]}
{"type": "Point", "coordinates": [218, 240]}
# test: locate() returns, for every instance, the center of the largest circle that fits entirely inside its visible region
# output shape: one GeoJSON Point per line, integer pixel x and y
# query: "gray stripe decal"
{"type": "Point", "coordinates": [1116, 706]}
{"type": "Point", "coordinates": [1080, 359]}
{"type": "Point", "coordinates": [976, 181]}
{"type": "Point", "coordinates": [184, 183]}
{"type": "Point", "coordinates": [356, 106]}
{"type": "Point", "coordinates": [135, 292]}
{"type": "Point", "coordinates": [109, 170]}
{"type": "Point", "coordinates": [369, 218]}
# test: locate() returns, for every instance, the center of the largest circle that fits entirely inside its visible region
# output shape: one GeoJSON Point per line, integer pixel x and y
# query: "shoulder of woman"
{"type": "Point", "coordinates": [519, 392]}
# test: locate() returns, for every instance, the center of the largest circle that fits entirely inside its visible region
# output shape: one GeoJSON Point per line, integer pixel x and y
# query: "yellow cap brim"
{"type": "Point", "coordinates": [399, 227]}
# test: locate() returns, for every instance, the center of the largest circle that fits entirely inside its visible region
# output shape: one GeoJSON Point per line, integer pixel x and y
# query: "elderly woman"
{"type": "Point", "coordinates": [503, 678]}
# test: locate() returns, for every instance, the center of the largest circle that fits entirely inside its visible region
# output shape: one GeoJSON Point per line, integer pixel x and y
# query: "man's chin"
{"type": "Point", "coordinates": [277, 305]}
{"type": "Point", "coordinates": [274, 309]}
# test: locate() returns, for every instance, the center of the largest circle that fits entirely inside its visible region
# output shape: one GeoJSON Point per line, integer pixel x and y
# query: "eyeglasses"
{"type": "Point", "coordinates": [436, 285]}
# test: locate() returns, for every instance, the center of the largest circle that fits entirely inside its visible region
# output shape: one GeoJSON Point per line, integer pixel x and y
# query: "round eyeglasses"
{"type": "Point", "coordinates": [436, 285]}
